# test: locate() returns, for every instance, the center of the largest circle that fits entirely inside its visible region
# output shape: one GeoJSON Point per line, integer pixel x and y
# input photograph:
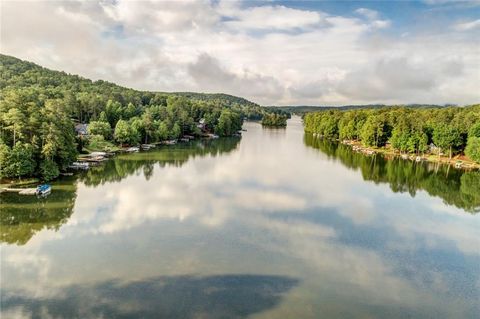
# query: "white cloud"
{"type": "Point", "coordinates": [368, 13]}
{"type": "Point", "coordinates": [270, 54]}
{"type": "Point", "coordinates": [380, 24]}
{"type": "Point", "coordinates": [465, 26]}
{"type": "Point", "coordinates": [272, 17]}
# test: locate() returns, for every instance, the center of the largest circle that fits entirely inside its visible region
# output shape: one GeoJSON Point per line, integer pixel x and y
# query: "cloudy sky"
{"type": "Point", "coordinates": [273, 53]}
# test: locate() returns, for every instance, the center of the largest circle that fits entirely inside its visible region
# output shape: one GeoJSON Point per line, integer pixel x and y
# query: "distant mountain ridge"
{"type": "Point", "coordinates": [308, 108]}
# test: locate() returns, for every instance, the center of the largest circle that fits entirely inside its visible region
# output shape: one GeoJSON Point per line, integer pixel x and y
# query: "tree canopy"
{"type": "Point", "coordinates": [411, 130]}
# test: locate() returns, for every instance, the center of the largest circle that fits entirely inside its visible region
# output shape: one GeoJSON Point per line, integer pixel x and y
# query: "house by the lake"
{"type": "Point", "coordinates": [81, 129]}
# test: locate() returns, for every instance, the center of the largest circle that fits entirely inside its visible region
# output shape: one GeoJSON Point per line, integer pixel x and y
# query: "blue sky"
{"type": "Point", "coordinates": [272, 52]}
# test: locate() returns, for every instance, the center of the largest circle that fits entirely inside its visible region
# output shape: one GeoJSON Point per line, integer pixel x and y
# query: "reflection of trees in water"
{"type": "Point", "coordinates": [225, 296]}
{"type": "Point", "coordinates": [22, 216]}
{"type": "Point", "coordinates": [122, 166]}
{"type": "Point", "coordinates": [455, 187]}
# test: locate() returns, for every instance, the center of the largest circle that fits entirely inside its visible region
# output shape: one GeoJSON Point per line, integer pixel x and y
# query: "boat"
{"type": "Point", "coordinates": [98, 154]}
{"type": "Point", "coordinates": [66, 174]}
{"type": "Point", "coordinates": [170, 142]}
{"type": "Point", "coordinates": [79, 165]}
{"type": "Point", "coordinates": [43, 189]}
{"type": "Point", "coordinates": [132, 149]}
{"type": "Point", "coordinates": [146, 147]}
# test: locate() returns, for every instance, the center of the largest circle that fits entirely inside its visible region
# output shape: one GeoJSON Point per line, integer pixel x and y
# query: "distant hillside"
{"type": "Point", "coordinates": [23, 74]}
{"type": "Point", "coordinates": [305, 109]}
{"type": "Point", "coordinates": [47, 117]}
{"type": "Point", "coordinates": [225, 98]}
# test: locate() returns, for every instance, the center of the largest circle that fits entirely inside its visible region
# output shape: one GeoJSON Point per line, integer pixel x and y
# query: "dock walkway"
{"type": "Point", "coordinates": [21, 191]}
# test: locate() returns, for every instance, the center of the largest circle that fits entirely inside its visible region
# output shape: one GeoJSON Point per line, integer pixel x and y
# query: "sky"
{"type": "Point", "coordinates": [270, 52]}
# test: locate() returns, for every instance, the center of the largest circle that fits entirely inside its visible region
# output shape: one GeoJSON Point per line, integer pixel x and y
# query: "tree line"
{"type": "Point", "coordinates": [274, 120]}
{"type": "Point", "coordinates": [40, 107]}
{"type": "Point", "coordinates": [450, 130]}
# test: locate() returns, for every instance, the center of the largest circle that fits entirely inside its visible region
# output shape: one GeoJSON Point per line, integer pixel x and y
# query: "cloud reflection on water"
{"type": "Point", "coordinates": [270, 206]}
{"type": "Point", "coordinates": [225, 296]}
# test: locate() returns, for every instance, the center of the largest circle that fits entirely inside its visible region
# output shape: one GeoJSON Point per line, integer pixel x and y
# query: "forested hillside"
{"type": "Point", "coordinates": [40, 107]}
{"type": "Point", "coordinates": [448, 130]}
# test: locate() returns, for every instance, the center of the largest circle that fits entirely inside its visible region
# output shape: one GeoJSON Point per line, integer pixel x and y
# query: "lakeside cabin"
{"type": "Point", "coordinates": [81, 129]}
{"type": "Point", "coordinates": [201, 125]}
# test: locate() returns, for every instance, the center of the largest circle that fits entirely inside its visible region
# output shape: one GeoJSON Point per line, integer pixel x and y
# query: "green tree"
{"type": "Point", "coordinates": [148, 124]}
{"type": "Point", "coordinates": [474, 130]}
{"type": "Point", "coordinates": [125, 133]}
{"type": "Point", "coordinates": [163, 131]}
{"type": "Point", "coordinates": [18, 162]}
{"type": "Point", "coordinates": [122, 132]}
{"type": "Point", "coordinates": [49, 169]}
{"type": "Point", "coordinates": [374, 131]}
{"type": "Point", "coordinates": [229, 123]}
{"type": "Point", "coordinates": [473, 148]}
{"type": "Point", "coordinates": [103, 117]}
{"type": "Point", "coordinates": [15, 120]}
{"type": "Point", "coordinates": [274, 119]}
{"type": "Point", "coordinates": [100, 128]}
{"type": "Point", "coordinates": [446, 137]}
{"type": "Point", "coordinates": [176, 131]}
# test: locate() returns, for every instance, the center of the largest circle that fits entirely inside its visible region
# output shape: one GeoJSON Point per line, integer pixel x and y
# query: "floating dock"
{"type": "Point", "coordinates": [21, 191]}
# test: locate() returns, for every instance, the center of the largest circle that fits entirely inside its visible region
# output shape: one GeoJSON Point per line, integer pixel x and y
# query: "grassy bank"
{"type": "Point", "coordinates": [18, 182]}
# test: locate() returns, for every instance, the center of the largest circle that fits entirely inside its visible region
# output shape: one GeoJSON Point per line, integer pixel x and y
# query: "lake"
{"type": "Point", "coordinates": [276, 224]}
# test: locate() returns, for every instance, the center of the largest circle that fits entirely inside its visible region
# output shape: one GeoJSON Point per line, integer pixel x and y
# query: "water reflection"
{"type": "Point", "coordinates": [456, 187]}
{"type": "Point", "coordinates": [210, 297]}
{"type": "Point", "coordinates": [23, 216]}
{"type": "Point", "coordinates": [176, 155]}
{"type": "Point", "coordinates": [273, 207]}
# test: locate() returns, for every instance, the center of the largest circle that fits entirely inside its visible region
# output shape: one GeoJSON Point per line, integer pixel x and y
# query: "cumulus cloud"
{"type": "Point", "coordinates": [269, 53]}
{"type": "Point", "coordinates": [387, 78]}
{"type": "Point", "coordinates": [209, 75]}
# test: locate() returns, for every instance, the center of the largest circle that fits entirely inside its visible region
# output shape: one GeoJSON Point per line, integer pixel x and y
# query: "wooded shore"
{"type": "Point", "coordinates": [458, 161]}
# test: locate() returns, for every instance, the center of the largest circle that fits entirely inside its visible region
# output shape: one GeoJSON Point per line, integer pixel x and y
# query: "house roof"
{"type": "Point", "coordinates": [81, 128]}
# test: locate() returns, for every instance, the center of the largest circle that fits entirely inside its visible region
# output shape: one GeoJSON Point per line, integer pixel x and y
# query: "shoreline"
{"type": "Point", "coordinates": [86, 157]}
{"type": "Point", "coordinates": [458, 161]}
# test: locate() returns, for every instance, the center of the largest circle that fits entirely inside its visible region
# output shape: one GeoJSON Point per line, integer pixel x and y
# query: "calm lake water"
{"type": "Point", "coordinates": [276, 224]}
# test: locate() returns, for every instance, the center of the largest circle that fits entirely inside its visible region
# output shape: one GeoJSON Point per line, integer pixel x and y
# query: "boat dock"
{"type": "Point", "coordinates": [20, 191]}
